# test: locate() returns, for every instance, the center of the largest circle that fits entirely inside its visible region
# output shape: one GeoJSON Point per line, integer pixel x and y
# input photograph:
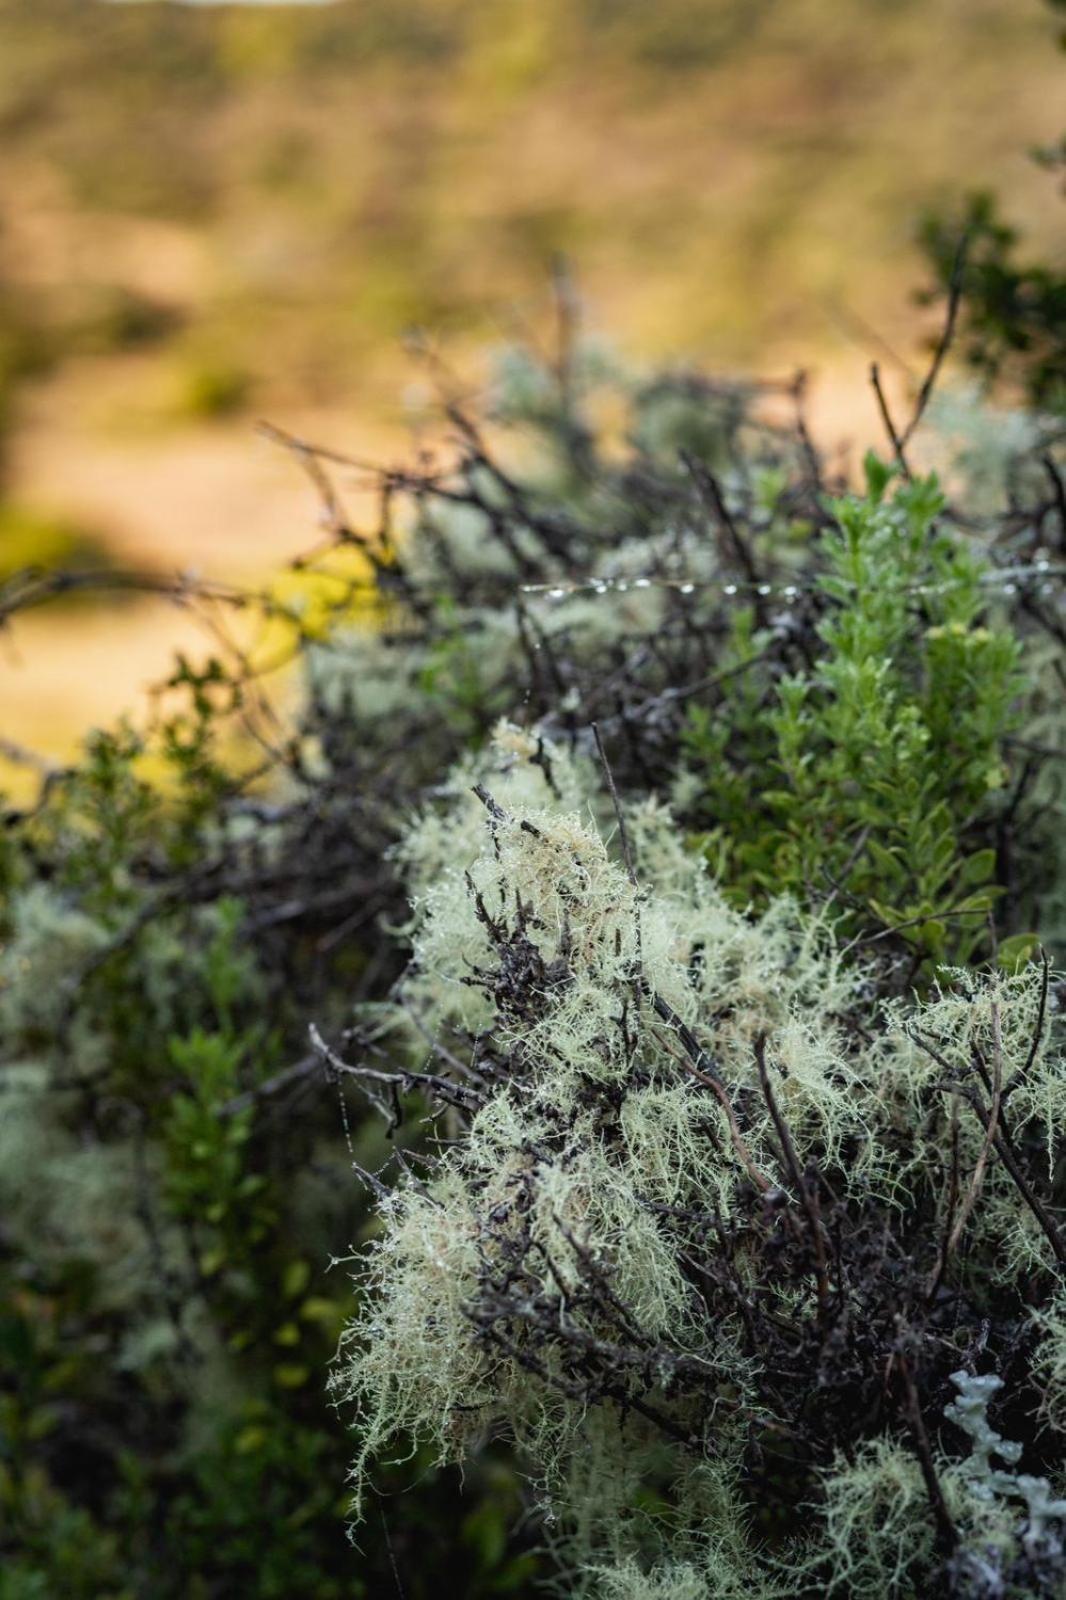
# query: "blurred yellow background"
{"type": "Point", "coordinates": [214, 213]}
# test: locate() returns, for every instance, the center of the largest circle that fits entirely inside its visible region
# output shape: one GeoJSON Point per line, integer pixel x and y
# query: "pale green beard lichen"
{"type": "Point", "coordinates": [1051, 1359]}
{"type": "Point", "coordinates": [876, 1525]}
{"type": "Point", "coordinates": [608, 1025]}
{"type": "Point", "coordinates": [880, 1536]}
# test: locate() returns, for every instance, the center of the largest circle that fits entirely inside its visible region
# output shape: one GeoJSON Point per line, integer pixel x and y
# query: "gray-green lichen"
{"type": "Point", "coordinates": [576, 986]}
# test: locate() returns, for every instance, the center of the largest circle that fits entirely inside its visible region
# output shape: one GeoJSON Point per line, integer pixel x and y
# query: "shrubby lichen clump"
{"type": "Point", "coordinates": [699, 1204]}
{"type": "Point", "coordinates": [665, 843]}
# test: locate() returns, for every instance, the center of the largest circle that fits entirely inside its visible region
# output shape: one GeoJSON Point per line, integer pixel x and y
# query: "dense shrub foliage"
{"type": "Point", "coordinates": [634, 941]}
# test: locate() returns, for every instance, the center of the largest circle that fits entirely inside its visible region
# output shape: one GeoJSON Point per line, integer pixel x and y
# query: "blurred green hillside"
{"type": "Point", "coordinates": [274, 195]}
{"type": "Point", "coordinates": [211, 213]}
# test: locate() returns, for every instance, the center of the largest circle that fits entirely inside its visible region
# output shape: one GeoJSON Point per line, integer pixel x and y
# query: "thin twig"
{"type": "Point", "coordinates": [937, 1274]}
{"type": "Point", "coordinates": [1038, 1031]}
{"type": "Point", "coordinates": [958, 271]}
{"type": "Point", "coordinates": [296, 1073]}
{"type": "Point", "coordinates": [947, 1535]}
{"type": "Point", "coordinates": [791, 1160]}
{"type": "Point", "coordinates": [623, 833]}
{"type": "Point", "coordinates": [886, 418]}
{"type": "Point", "coordinates": [991, 1130]}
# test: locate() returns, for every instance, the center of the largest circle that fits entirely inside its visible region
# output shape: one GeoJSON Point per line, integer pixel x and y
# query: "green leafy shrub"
{"type": "Point", "coordinates": [878, 762]}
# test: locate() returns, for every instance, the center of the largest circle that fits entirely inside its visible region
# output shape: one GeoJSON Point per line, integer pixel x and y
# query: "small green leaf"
{"type": "Point", "coordinates": [878, 476]}
{"type": "Point", "coordinates": [295, 1279]}
{"type": "Point", "coordinates": [1016, 951]}
{"type": "Point", "coordinates": [316, 1308]}
{"type": "Point", "coordinates": [288, 1375]}
{"type": "Point", "coordinates": [977, 869]}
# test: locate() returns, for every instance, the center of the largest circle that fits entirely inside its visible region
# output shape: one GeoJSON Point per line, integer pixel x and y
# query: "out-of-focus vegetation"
{"type": "Point", "coordinates": [1014, 308]}
{"type": "Point", "coordinates": [211, 213]}
{"type": "Point", "coordinates": [1013, 304]}
{"type": "Point", "coordinates": [290, 189]}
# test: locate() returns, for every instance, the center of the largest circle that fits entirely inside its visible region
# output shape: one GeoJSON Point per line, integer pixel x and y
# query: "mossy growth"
{"type": "Point", "coordinates": [696, 1174]}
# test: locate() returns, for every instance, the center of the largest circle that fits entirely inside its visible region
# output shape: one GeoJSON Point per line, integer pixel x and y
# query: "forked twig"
{"type": "Point", "coordinates": [808, 1198]}
{"type": "Point", "coordinates": [991, 1131]}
